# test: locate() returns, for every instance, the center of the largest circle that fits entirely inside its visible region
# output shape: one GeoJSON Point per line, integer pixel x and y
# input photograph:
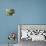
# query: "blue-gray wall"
{"type": "Point", "coordinates": [27, 12]}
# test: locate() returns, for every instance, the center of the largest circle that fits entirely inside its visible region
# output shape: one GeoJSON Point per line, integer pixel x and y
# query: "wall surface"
{"type": "Point", "coordinates": [27, 12]}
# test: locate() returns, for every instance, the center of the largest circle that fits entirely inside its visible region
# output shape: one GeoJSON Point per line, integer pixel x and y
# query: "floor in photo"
{"type": "Point", "coordinates": [32, 43]}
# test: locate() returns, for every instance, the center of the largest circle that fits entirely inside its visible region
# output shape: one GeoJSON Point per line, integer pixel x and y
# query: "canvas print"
{"type": "Point", "coordinates": [31, 33]}
{"type": "Point", "coordinates": [10, 12]}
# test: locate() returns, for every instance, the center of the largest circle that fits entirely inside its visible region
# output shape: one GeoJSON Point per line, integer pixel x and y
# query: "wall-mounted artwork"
{"type": "Point", "coordinates": [10, 12]}
{"type": "Point", "coordinates": [12, 38]}
{"type": "Point", "coordinates": [32, 32]}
